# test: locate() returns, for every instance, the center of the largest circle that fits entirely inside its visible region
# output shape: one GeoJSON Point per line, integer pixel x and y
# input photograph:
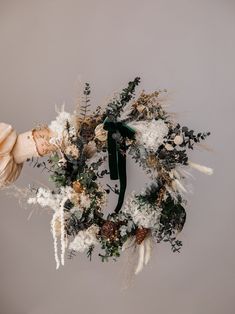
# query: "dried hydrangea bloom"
{"type": "Point", "coordinates": [150, 134]}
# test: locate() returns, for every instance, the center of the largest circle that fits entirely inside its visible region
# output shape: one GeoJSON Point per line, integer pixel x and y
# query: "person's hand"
{"type": "Point", "coordinates": [42, 138]}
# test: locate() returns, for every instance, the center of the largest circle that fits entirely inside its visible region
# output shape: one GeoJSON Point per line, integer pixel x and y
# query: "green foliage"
{"type": "Point", "coordinates": [85, 107]}
{"type": "Point", "coordinates": [111, 250]}
{"type": "Point", "coordinates": [173, 217]}
{"type": "Point", "coordinates": [115, 107]}
{"type": "Point", "coordinates": [90, 252]}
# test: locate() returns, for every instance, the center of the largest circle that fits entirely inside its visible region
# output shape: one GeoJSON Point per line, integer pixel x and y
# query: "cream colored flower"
{"type": "Point", "coordinates": [140, 108]}
{"type": "Point", "coordinates": [178, 140]}
{"type": "Point", "coordinates": [84, 239]}
{"type": "Point", "coordinates": [169, 147]}
{"type": "Point", "coordinates": [72, 150]}
{"type": "Point", "coordinates": [100, 133]}
{"type": "Point", "coordinates": [85, 200]}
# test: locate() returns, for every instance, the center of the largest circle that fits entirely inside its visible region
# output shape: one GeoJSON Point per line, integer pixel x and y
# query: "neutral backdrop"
{"type": "Point", "coordinates": [48, 48]}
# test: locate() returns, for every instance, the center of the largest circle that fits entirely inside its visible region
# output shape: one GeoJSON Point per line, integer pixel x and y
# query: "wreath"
{"type": "Point", "coordinates": [130, 126]}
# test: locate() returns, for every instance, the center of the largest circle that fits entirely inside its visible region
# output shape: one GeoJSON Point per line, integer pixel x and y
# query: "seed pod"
{"type": "Point", "coordinates": [77, 187]}
{"type": "Point", "coordinates": [109, 230]}
{"type": "Point", "coordinates": [141, 234]}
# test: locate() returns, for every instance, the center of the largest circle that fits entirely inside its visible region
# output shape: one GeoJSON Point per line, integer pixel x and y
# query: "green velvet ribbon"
{"type": "Point", "coordinates": [117, 155]}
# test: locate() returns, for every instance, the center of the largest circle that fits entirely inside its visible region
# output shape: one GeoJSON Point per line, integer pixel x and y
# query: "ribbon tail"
{"type": "Point", "coordinates": [117, 157]}
{"type": "Point", "coordinates": [113, 158]}
{"type": "Point", "coordinates": [123, 180]}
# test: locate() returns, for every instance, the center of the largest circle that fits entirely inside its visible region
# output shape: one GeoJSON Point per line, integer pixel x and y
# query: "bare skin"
{"type": "Point", "coordinates": [42, 138]}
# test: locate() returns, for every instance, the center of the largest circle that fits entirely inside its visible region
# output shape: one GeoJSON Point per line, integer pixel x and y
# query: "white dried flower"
{"type": "Point", "coordinates": [45, 198]}
{"type": "Point", "coordinates": [84, 239]}
{"type": "Point", "coordinates": [150, 134]}
{"type": "Point", "coordinates": [55, 201]}
{"type": "Point", "coordinates": [142, 214]}
{"type": "Point", "coordinates": [85, 200]}
{"type": "Point", "coordinates": [100, 133]}
{"type": "Point", "coordinates": [72, 150]}
{"type": "Point", "coordinates": [178, 140]}
{"type": "Point", "coordinates": [123, 231]}
{"type": "Point", "coordinates": [169, 147]}
{"type": "Point", "coordinates": [58, 126]}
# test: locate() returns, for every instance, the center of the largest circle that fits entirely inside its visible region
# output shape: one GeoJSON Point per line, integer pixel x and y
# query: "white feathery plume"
{"type": "Point", "coordinates": [55, 240]}
{"type": "Point", "coordinates": [203, 169]}
{"type": "Point", "coordinates": [176, 181]}
{"type": "Point", "coordinates": [172, 192]}
{"type": "Point", "coordinates": [179, 186]}
{"type": "Point", "coordinates": [184, 173]}
{"type": "Point", "coordinates": [144, 251]}
{"type": "Point", "coordinates": [128, 244]}
{"type": "Point", "coordinates": [59, 109]}
{"type": "Point", "coordinates": [140, 264]}
{"type": "Point", "coordinates": [204, 146]}
{"type": "Point", "coordinates": [175, 173]}
{"type": "Point", "coordinates": [148, 250]}
{"type": "Point", "coordinates": [62, 230]}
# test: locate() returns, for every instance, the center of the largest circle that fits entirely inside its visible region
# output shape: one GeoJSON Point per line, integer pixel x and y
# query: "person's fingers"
{"type": "Point", "coordinates": [42, 140]}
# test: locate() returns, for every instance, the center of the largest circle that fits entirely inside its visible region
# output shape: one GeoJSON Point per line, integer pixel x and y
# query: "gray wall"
{"type": "Point", "coordinates": [186, 46]}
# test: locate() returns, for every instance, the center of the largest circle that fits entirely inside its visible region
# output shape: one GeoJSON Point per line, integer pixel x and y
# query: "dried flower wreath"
{"type": "Point", "coordinates": [137, 126]}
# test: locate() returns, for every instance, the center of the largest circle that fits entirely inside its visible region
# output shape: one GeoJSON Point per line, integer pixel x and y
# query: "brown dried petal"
{"type": "Point", "coordinates": [90, 149]}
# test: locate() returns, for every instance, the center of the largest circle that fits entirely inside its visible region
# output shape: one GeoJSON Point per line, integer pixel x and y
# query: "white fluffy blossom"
{"type": "Point", "coordinates": [84, 239]}
{"type": "Point", "coordinates": [150, 134]}
{"type": "Point", "coordinates": [45, 198]}
{"type": "Point", "coordinates": [142, 214]}
{"type": "Point", "coordinates": [58, 126]}
{"type": "Point", "coordinates": [55, 201]}
{"type": "Point", "coordinates": [125, 229]}
{"type": "Point", "coordinates": [85, 200]}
